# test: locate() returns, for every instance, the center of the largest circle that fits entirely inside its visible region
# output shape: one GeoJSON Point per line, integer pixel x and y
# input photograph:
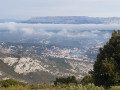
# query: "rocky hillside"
{"type": "Point", "coordinates": [26, 63]}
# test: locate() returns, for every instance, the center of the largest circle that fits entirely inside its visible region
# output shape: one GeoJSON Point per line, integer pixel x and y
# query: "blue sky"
{"type": "Point", "coordinates": [25, 9]}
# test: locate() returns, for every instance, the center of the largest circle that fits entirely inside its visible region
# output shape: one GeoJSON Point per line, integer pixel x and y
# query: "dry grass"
{"type": "Point", "coordinates": [15, 88]}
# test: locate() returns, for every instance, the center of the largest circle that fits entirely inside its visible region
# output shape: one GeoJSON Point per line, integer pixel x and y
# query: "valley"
{"type": "Point", "coordinates": [37, 53]}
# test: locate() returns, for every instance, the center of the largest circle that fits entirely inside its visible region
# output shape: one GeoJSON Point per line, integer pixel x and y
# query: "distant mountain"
{"type": "Point", "coordinates": [8, 20]}
{"type": "Point", "coordinates": [73, 20]}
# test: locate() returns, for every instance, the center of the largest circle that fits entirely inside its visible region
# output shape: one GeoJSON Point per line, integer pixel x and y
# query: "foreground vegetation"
{"type": "Point", "coordinates": [106, 70]}
{"type": "Point", "coordinates": [11, 84]}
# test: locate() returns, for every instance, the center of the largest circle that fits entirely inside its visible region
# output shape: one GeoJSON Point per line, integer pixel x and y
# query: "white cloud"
{"type": "Point", "coordinates": [54, 30]}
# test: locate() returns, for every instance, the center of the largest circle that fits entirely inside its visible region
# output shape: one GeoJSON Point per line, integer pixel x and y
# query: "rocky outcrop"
{"type": "Point", "coordinates": [24, 65]}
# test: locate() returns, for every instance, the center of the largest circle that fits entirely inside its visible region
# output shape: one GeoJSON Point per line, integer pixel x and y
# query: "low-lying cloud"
{"type": "Point", "coordinates": [22, 30]}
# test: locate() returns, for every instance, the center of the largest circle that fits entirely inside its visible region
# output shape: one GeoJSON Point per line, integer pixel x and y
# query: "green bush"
{"type": "Point", "coordinates": [67, 80]}
{"type": "Point", "coordinates": [11, 82]}
{"type": "Point", "coordinates": [87, 79]}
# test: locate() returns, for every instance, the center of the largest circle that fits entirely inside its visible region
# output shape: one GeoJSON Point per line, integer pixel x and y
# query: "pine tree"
{"type": "Point", "coordinates": [106, 70]}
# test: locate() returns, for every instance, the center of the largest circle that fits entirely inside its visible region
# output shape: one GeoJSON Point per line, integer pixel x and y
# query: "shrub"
{"type": "Point", "coordinates": [11, 82]}
{"type": "Point", "coordinates": [67, 80]}
{"type": "Point", "coordinates": [87, 79]}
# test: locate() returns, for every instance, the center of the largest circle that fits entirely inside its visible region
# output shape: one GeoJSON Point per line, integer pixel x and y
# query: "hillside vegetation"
{"type": "Point", "coordinates": [68, 83]}
{"type": "Point", "coordinates": [48, 86]}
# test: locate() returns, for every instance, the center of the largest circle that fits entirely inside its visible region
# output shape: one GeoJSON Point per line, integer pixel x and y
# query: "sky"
{"type": "Point", "coordinates": [25, 9]}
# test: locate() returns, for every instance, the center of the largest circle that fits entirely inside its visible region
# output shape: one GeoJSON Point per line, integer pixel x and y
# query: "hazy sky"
{"type": "Point", "coordinates": [25, 9]}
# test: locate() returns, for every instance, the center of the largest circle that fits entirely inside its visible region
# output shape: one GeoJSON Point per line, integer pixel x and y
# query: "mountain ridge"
{"type": "Point", "coordinates": [73, 20]}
